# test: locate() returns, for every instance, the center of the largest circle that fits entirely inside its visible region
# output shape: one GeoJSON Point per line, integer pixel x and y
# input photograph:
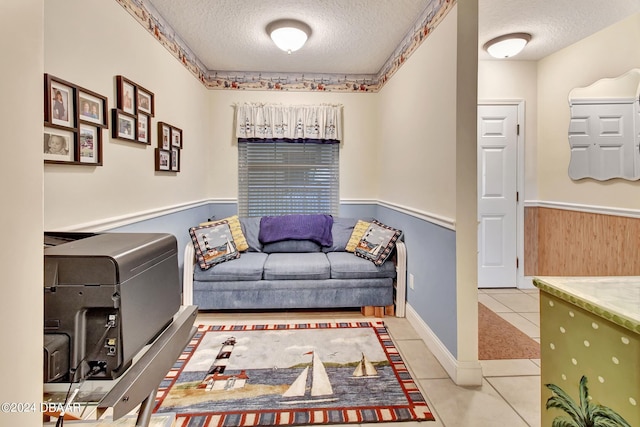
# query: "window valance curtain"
{"type": "Point", "coordinates": [320, 123]}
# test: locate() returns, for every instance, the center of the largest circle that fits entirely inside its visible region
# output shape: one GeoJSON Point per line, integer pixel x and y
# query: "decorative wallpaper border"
{"type": "Point", "coordinates": [146, 14]}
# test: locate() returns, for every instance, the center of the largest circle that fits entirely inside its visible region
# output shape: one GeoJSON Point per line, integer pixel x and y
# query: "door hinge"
{"type": "Point", "coordinates": [518, 129]}
{"type": "Point", "coordinates": [517, 196]}
{"type": "Point", "coordinates": [517, 262]}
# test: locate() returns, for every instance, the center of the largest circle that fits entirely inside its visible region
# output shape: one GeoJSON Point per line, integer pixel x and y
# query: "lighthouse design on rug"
{"type": "Point", "coordinates": [215, 378]}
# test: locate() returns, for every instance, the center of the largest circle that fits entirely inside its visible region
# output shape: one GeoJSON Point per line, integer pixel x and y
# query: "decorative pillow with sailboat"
{"type": "Point", "coordinates": [378, 242]}
{"type": "Point", "coordinates": [213, 244]}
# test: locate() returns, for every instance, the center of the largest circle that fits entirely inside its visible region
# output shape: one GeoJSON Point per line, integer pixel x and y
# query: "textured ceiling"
{"type": "Point", "coordinates": [358, 36]}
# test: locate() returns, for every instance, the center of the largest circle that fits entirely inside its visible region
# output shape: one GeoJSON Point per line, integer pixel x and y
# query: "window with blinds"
{"type": "Point", "coordinates": [279, 178]}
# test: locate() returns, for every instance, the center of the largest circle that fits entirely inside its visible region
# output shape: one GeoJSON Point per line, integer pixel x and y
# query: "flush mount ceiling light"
{"type": "Point", "coordinates": [288, 34]}
{"type": "Point", "coordinates": [508, 45]}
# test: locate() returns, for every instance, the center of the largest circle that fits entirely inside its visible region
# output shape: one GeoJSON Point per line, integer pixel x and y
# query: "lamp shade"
{"type": "Point", "coordinates": [508, 45]}
{"type": "Point", "coordinates": [288, 34]}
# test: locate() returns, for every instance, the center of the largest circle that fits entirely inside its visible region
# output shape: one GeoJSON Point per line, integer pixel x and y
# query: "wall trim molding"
{"type": "Point", "coordinates": [468, 373]}
{"type": "Point", "coordinates": [603, 210]}
{"type": "Point", "coordinates": [440, 220]}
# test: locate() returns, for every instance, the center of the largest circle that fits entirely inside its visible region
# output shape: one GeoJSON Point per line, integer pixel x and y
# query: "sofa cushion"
{"type": "Point", "coordinates": [251, 229]}
{"type": "Point", "coordinates": [378, 242]}
{"type": "Point", "coordinates": [248, 267]}
{"type": "Point", "coordinates": [341, 232]}
{"type": "Point", "coordinates": [344, 265]}
{"type": "Point", "coordinates": [292, 246]}
{"type": "Point", "coordinates": [297, 266]}
{"type": "Point", "coordinates": [236, 231]}
{"type": "Point", "coordinates": [213, 244]}
{"type": "Point", "coordinates": [356, 235]}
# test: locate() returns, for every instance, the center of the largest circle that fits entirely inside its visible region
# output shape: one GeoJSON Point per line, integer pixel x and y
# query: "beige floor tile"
{"type": "Point", "coordinates": [421, 362]}
{"type": "Point", "coordinates": [493, 304]}
{"type": "Point", "coordinates": [520, 302]}
{"type": "Point", "coordinates": [501, 290]}
{"type": "Point", "coordinates": [470, 406]}
{"type": "Point", "coordinates": [532, 317]}
{"type": "Point", "coordinates": [523, 394]}
{"type": "Point", "coordinates": [400, 328]}
{"type": "Point", "coordinates": [521, 323]}
{"type": "Point", "coordinates": [509, 368]}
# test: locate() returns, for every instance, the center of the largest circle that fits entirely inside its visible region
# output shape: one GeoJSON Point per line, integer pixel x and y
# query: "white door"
{"type": "Point", "coordinates": [497, 196]}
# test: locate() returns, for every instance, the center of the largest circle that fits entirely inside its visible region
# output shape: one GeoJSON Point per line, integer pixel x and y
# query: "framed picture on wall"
{"type": "Point", "coordinates": [126, 94]}
{"type": "Point", "coordinates": [175, 159]}
{"type": "Point", "coordinates": [58, 145]}
{"type": "Point", "coordinates": [89, 141]}
{"type": "Point", "coordinates": [164, 136]}
{"type": "Point", "coordinates": [124, 125]}
{"type": "Point", "coordinates": [176, 137]}
{"type": "Point", "coordinates": [144, 130]}
{"type": "Point", "coordinates": [163, 160]}
{"type": "Point", "coordinates": [59, 102]}
{"type": "Point", "coordinates": [145, 101]}
{"type": "Point", "coordinates": [92, 108]}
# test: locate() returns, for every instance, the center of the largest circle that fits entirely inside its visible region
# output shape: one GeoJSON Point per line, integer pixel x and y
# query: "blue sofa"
{"type": "Point", "coordinates": [295, 274]}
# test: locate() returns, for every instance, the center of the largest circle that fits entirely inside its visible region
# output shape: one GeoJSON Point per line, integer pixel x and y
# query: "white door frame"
{"type": "Point", "coordinates": [519, 103]}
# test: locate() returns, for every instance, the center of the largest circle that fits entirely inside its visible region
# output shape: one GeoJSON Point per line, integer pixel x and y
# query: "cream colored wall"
{"type": "Point", "coordinates": [417, 125]}
{"type": "Point", "coordinates": [88, 43]}
{"type": "Point", "coordinates": [608, 53]}
{"type": "Point", "coordinates": [21, 45]}
{"type": "Point", "coordinates": [515, 81]}
{"type": "Point", "coordinates": [358, 150]}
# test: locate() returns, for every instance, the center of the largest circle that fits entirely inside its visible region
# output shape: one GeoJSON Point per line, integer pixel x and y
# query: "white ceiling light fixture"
{"type": "Point", "coordinates": [289, 34]}
{"type": "Point", "coordinates": [508, 45]}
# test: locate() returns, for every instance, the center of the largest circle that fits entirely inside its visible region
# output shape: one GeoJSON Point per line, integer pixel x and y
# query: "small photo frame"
{"type": "Point", "coordinates": [175, 159]}
{"type": "Point", "coordinates": [60, 102]}
{"type": "Point", "coordinates": [164, 136]}
{"type": "Point", "coordinates": [143, 133]}
{"type": "Point", "coordinates": [126, 91]}
{"type": "Point", "coordinates": [124, 125]}
{"type": "Point", "coordinates": [145, 101]}
{"type": "Point", "coordinates": [163, 160]}
{"type": "Point", "coordinates": [176, 137]}
{"type": "Point", "coordinates": [58, 145]}
{"type": "Point", "coordinates": [89, 143]}
{"type": "Point", "coordinates": [92, 107]}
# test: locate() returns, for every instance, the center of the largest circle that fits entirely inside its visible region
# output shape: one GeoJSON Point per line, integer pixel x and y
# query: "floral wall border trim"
{"type": "Point", "coordinates": [146, 14]}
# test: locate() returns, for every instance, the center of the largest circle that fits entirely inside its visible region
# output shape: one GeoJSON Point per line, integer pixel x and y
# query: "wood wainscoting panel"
{"type": "Point", "coordinates": [573, 243]}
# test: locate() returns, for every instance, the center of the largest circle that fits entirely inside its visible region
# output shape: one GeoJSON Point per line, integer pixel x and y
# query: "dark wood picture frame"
{"type": "Point", "coordinates": [144, 101]}
{"type": "Point", "coordinates": [175, 159]}
{"type": "Point", "coordinates": [125, 95]}
{"type": "Point", "coordinates": [90, 144]}
{"type": "Point", "coordinates": [97, 113]}
{"type": "Point", "coordinates": [176, 137]}
{"type": "Point", "coordinates": [164, 136]}
{"type": "Point", "coordinates": [59, 102]}
{"type": "Point", "coordinates": [163, 160]}
{"type": "Point", "coordinates": [124, 125]}
{"type": "Point", "coordinates": [143, 129]}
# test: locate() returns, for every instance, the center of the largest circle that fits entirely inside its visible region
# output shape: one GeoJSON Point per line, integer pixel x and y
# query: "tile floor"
{"type": "Point", "coordinates": [510, 392]}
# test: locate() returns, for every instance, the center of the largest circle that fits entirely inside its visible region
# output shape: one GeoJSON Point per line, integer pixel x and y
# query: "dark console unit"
{"type": "Point", "coordinates": [106, 296]}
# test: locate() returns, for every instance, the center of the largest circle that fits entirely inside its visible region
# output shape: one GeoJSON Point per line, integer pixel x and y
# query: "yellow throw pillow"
{"type": "Point", "coordinates": [358, 232]}
{"type": "Point", "coordinates": [236, 232]}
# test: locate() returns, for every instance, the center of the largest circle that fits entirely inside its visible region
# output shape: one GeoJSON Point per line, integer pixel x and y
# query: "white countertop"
{"type": "Point", "coordinates": [615, 298]}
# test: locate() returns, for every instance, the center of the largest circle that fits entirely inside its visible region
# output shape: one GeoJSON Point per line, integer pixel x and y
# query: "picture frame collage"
{"type": "Point", "coordinates": [73, 121]}
{"type": "Point", "coordinates": [169, 148]}
{"type": "Point", "coordinates": [132, 117]}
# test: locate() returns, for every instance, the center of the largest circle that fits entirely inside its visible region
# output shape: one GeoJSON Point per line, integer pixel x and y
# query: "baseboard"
{"type": "Point", "coordinates": [462, 373]}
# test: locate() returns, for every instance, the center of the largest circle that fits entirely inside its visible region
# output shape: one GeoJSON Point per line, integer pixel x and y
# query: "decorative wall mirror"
{"type": "Point", "coordinates": [604, 129]}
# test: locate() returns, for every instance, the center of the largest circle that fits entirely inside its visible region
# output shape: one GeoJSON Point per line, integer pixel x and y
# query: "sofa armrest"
{"type": "Point", "coordinates": [187, 274]}
{"type": "Point", "coordinates": [401, 279]}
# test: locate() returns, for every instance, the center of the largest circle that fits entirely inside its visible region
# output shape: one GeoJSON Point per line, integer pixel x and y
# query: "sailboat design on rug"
{"type": "Point", "coordinates": [316, 388]}
{"type": "Point", "coordinates": [365, 369]}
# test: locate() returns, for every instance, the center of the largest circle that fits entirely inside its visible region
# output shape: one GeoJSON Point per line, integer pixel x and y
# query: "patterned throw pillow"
{"type": "Point", "coordinates": [358, 231]}
{"type": "Point", "coordinates": [377, 243]}
{"type": "Point", "coordinates": [213, 244]}
{"type": "Point", "coordinates": [236, 232]}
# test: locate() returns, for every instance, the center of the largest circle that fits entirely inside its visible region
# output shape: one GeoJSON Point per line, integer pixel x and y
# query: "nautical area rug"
{"type": "Point", "coordinates": [291, 374]}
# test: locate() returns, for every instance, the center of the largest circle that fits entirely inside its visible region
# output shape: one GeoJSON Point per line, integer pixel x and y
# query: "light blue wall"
{"type": "Point", "coordinates": [431, 254]}
{"type": "Point", "coordinates": [431, 258]}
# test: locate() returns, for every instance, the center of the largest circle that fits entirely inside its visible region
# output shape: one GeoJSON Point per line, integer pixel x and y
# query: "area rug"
{"type": "Point", "coordinates": [499, 339]}
{"type": "Point", "coordinates": [291, 374]}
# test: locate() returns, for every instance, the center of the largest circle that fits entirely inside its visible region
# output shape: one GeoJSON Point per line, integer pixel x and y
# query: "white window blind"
{"type": "Point", "coordinates": [279, 178]}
